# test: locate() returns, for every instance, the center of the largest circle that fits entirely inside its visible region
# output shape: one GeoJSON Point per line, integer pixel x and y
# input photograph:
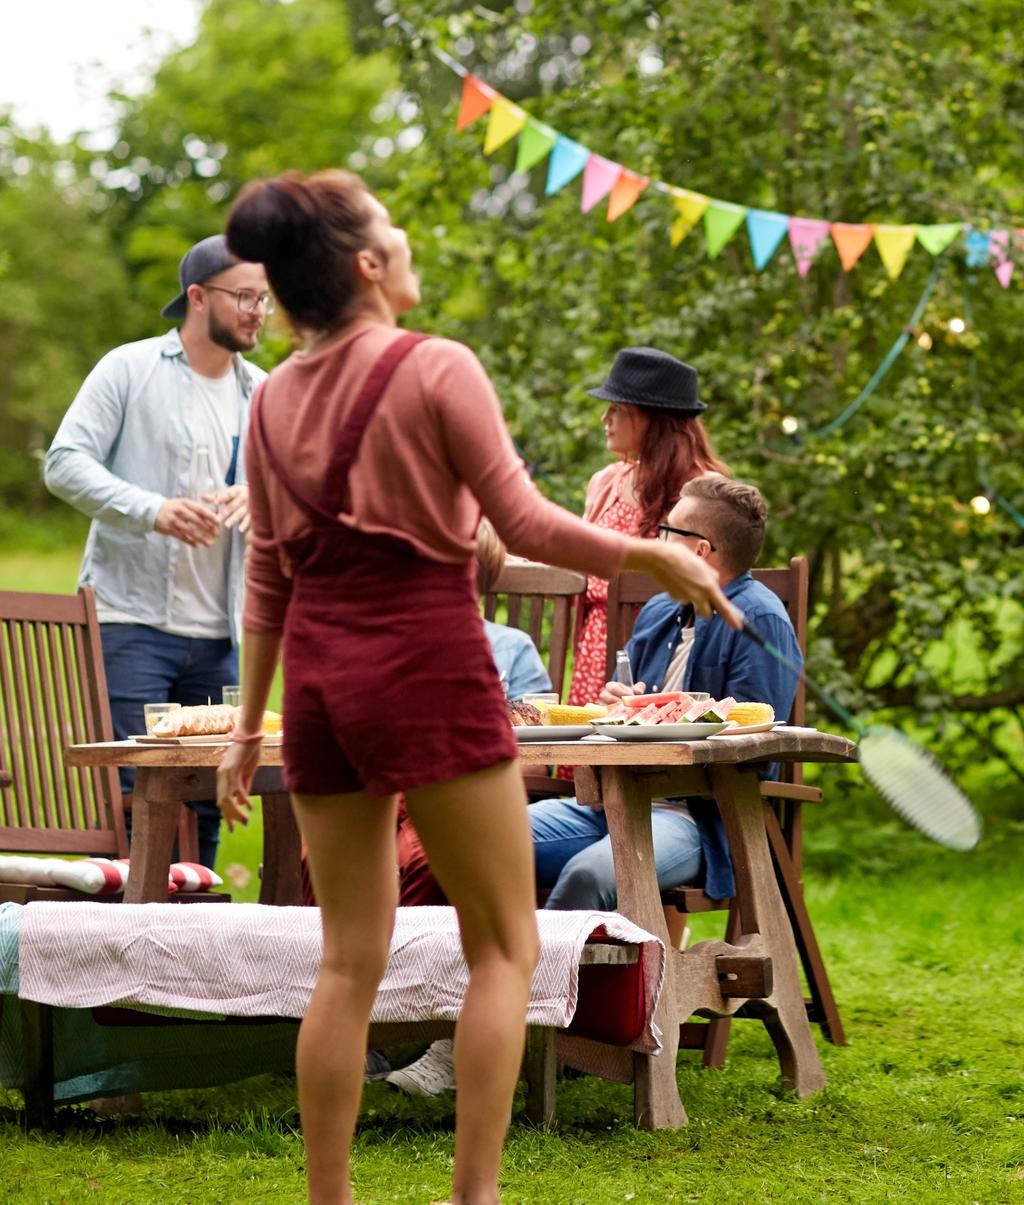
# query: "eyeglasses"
{"type": "Point", "coordinates": [664, 529]}
{"type": "Point", "coordinates": [247, 301]}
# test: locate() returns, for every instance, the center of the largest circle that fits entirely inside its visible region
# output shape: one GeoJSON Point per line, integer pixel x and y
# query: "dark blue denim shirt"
{"type": "Point", "coordinates": [723, 662]}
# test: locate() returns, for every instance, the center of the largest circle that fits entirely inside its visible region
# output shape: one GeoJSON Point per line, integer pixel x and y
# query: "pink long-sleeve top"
{"type": "Point", "coordinates": [435, 454]}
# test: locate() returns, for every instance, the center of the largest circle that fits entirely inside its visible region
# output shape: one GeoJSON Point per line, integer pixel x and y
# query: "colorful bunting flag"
{"type": "Point", "coordinates": [721, 221]}
{"type": "Point", "coordinates": [765, 229]}
{"type": "Point", "coordinates": [625, 192]}
{"type": "Point", "coordinates": [935, 239]}
{"type": "Point", "coordinates": [977, 248]}
{"type": "Point", "coordinates": [534, 143]}
{"type": "Point", "coordinates": [894, 243]}
{"type": "Point", "coordinates": [477, 98]}
{"type": "Point", "coordinates": [852, 239]}
{"type": "Point", "coordinates": [805, 237]}
{"type": "Point", "coordinates": [599, 178]}
{"type": "Point", "coordinates": [567, 160]}
{"type": "Point", "coordinates": [691, 206]}
{"type": "Point", "coordinates": [506, 121]}
{"type": "Point", "coordinates": [999, 249]}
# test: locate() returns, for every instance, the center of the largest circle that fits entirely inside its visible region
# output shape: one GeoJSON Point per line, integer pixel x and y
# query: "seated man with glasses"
{"type": "Point", "coordinates": [150, 450]}
{"type": "Point", "coordinates": [722, 521]}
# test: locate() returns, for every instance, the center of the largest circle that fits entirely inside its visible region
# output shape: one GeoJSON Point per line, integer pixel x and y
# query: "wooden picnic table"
{"type": "Point", "coordinates": [756, 973]}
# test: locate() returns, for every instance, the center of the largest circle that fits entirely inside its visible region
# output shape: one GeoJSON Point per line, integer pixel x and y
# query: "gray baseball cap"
{"type": "Point", "coordinates": [199, 263]}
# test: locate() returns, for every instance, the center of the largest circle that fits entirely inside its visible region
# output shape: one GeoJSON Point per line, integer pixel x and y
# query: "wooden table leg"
{"type": "Point", "coordinates": [158, 796]}
{"type": "Point", "coordinates": [761, 912]}
{"type": "Point", "coordinates": [282, 851]}
{"type": "Point", "coordinates": [37, 1048]}
{"type": "Point", "coordinates": [656, 1101]}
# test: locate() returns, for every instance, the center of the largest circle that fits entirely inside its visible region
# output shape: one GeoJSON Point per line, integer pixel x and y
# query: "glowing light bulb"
{"type": "Point", "coordinates": [924, 340]}
{"type": "Point", "coordinates": [980, 504]}
{"type": "Point", "coordinates": [957, 326]}
{"type": "Point", "coordinates": [790, 425]}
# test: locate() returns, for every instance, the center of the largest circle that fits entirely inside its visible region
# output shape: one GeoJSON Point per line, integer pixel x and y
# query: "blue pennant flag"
{"type": "Point", "coordinates": [567, 160]}
{"type": "Point", "coordinates": [976, 244]}
{"type": "Point", "coordinates": [766, 230]}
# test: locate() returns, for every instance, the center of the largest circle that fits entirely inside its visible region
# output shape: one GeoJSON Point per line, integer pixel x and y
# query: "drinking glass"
{"type": "Point", "coordinates": [155, 711]}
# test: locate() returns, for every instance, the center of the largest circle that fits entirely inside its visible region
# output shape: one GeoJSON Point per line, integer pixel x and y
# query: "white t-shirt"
{"type": "Point", "coordinates": [199, 600]}
{"type": "Point", "coordinates": [674, 681]}
{"type": "Point", "coordinates": [199, 595]}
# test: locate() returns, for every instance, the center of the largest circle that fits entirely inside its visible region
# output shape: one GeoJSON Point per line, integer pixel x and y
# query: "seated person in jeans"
{"type": "Point", "coordinates": [723, 521]}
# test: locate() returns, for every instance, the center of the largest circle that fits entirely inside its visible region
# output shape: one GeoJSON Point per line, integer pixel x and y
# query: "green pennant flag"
{"type": "Point", "coordinates": [721, 221]}
{"type": "Point", "coordinates": [935, 239]}
{"type": "Point", "coordinates": [534, 143]}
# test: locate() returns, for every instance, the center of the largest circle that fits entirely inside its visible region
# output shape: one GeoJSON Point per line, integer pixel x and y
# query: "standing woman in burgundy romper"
{"type": "Point", "coordinates": [370, 456]}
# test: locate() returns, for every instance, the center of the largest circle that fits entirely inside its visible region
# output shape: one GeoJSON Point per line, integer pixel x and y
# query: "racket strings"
{"type": "Point", "coordinates": [917, 788]}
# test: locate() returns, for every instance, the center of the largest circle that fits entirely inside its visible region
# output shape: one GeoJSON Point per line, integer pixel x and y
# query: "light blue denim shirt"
{"type": "Point", "coordinates": [123, 448]}
{"type": "Point", "coordinates": [517, 658]}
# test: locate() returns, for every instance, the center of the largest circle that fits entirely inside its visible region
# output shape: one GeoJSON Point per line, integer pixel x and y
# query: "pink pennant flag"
{"type": "Point", "coordinates": [599, 177]}
{"type": "Point", "coordinates": [999, 249]}
{"type": "Point", "coordinates": [805, 237]}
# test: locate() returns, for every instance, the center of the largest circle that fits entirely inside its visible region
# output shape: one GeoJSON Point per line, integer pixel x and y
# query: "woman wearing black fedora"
{"type": "Point", "coordinates": [653, 425]}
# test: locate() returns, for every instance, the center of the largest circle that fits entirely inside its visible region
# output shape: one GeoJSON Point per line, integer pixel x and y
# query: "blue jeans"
{"type": "Point", "coordinates": [144, 665]}
{"type": "Point", "coordinates": [573, 853]}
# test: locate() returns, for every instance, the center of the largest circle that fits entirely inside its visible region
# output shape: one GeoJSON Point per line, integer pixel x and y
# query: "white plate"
{"type": "Point", "coordinates": [657, 732]}
{"type": "Point", "coordinates": [743, 729]}
{"type": "Point", "coordinates": [551, 732]}
{"type": "Point", "coordinates": [270, 738]}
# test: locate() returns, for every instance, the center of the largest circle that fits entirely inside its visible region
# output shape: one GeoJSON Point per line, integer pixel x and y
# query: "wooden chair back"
{"type": "Point", "coordinates": [53, 693]}
{"type": "Point", "coordinates": [629, 591]}
{"type": "Point", "coordinates": [540, 600]}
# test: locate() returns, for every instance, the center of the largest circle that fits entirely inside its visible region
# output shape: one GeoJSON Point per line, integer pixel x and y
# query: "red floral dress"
{"type": "Point", "coordinates": [590, 665]}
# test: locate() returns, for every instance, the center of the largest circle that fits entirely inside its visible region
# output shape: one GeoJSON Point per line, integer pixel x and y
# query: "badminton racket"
{"type": "Point", "coordinates": [907, 777]}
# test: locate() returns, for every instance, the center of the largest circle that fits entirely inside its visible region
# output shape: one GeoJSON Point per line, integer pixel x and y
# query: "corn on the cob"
{"type": "Point", "coordinates": [752, 713]}
{"type": "Point", "coordinates": [562, 713]}
{"type": "Point", "coordinates": [271, 722]}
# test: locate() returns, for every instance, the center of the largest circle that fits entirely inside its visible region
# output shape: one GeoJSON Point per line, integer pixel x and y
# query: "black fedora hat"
{"type": "Point", "coordinates": [644, 376]}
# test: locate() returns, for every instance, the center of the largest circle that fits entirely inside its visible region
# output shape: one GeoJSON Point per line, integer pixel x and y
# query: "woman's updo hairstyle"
{"type": "Point", "coordinates": [305, 230]}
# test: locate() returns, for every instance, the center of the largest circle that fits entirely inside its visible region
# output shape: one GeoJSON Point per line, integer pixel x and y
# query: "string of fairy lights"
{"type": "Point", "coordinates": [791, 426]}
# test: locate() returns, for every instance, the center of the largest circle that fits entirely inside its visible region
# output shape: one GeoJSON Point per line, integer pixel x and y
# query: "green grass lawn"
{"type": "Point", "coordinates": [925, 1104]}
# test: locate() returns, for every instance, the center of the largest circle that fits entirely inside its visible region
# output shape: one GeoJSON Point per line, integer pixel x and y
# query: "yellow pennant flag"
{"type": "Point", "coordinates": [894, 243]}
{"type": "Point", "coordinates": [691, 206]}
{"type": "Point", "coordinates": [505, 122]}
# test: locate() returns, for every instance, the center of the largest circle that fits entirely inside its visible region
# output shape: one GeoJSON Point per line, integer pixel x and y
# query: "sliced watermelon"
{"type": "Point", "coordinates": [644, 715]}
{"type": "Point", "coordinates": [665, 696]}
{"type": "Point", "coordinates": [710, 710]}
{"type": "Point", "coordinates": [617, 715]}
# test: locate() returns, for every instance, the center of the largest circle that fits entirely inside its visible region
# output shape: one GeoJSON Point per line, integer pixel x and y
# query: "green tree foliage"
{"type": "Point", "coordinates": [64, 298]}
{"type": "Point", "coordinates": [267, 85]}
{"type": "Point", "coordinates": [854, 112]}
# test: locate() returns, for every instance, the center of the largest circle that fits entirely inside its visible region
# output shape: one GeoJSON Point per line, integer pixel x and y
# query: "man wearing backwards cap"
{"type": "Point", "coordinates": [150, 450]}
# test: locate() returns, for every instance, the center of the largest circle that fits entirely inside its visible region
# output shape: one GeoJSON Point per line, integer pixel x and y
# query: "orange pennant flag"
{"type": "Point", "coordinates": [477, 98]}
{"type": "Point", "coordinates": [625, 192]}
{"type": "Point", "coordinates": [852, 239]}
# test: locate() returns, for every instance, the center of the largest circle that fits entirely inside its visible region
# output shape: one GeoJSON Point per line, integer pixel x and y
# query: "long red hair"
{"type": "Point", "coordinates": [675, 449]}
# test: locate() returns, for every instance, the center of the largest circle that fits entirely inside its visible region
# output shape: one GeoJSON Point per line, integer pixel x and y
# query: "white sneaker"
{"type": "Point", "coordinates": [431, 1074]}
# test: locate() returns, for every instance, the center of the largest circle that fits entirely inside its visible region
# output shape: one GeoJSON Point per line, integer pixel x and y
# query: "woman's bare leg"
{"type": "Point", "coordinates": [477, 836]}
{"type": "Point", "coordinates": [351, 841]}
